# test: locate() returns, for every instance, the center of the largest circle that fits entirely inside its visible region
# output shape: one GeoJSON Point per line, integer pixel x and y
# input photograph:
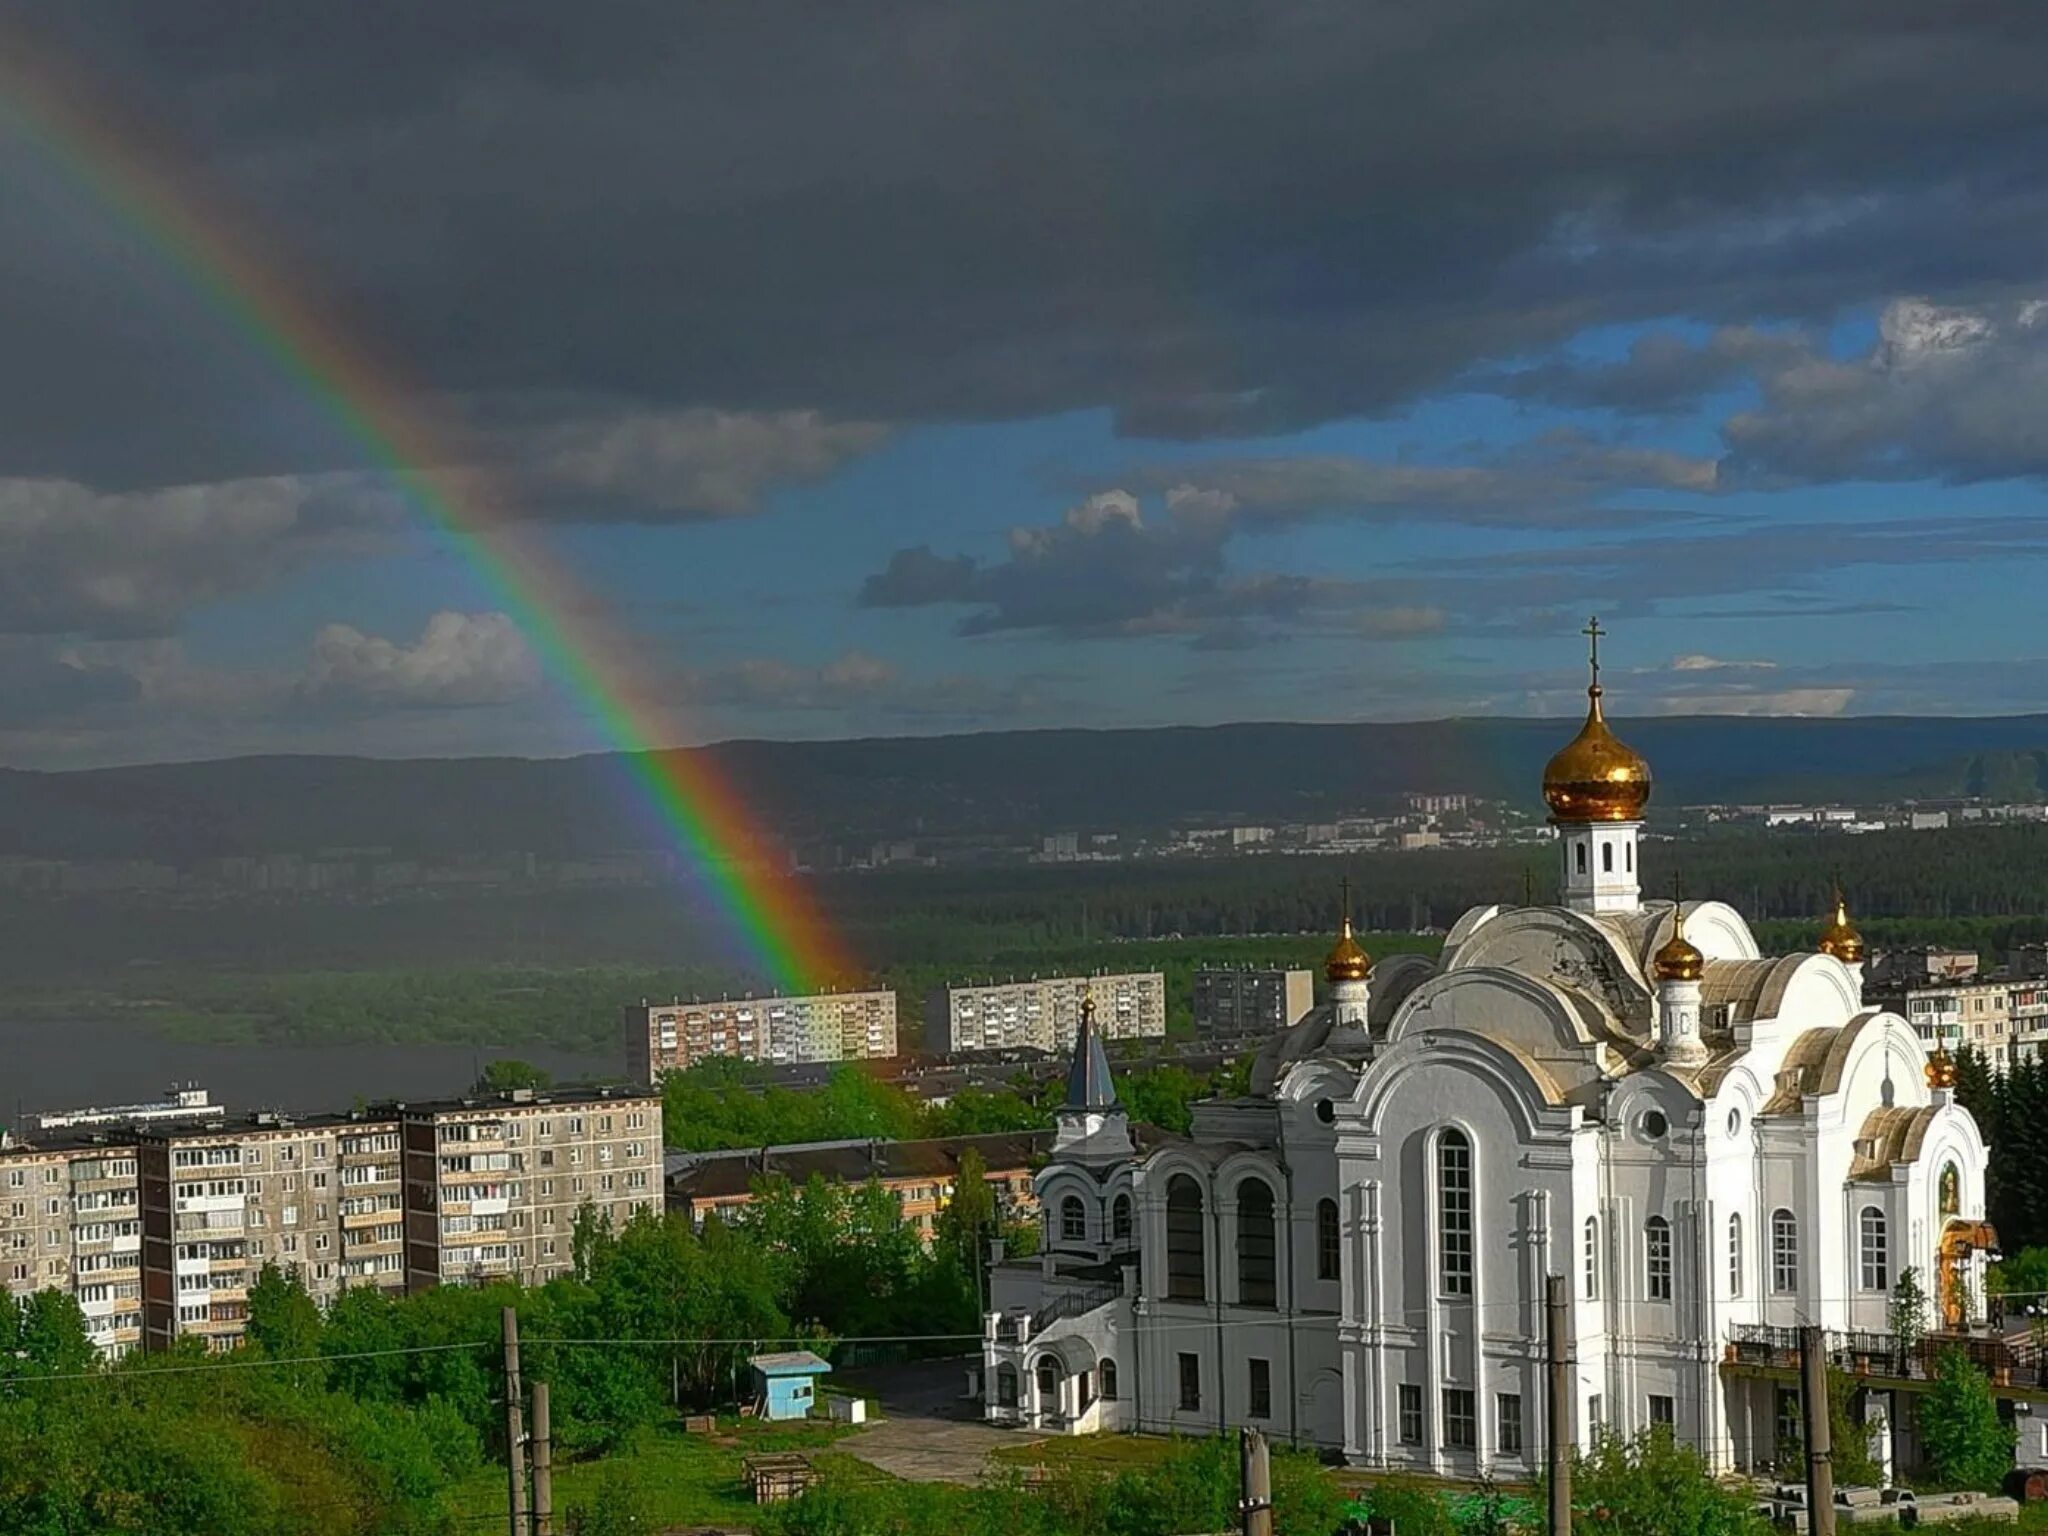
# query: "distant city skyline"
{"type": "Point", "coordinates": [900, 369]}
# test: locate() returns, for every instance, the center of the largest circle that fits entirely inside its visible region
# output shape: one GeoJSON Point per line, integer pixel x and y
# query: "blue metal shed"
{"type": "Point", "coordinates": [785, 1384]}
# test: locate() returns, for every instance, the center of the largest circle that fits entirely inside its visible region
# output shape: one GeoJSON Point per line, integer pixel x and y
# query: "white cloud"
{"type": "Point", "coordinates": [1698, 663]}
{"type": "Point", "coordinates": [658, 466]}
{"type": "Point", "coordinates": [460, 659]}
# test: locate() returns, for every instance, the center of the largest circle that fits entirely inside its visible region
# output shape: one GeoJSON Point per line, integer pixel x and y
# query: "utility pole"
{"type": "Point", "coordinates": [515, 1430]}
{"type": "Point", "coordinates": [1560, 1362]}
{"type": "Point", "coordinates": [543, 1464]}
{"type": "Point", "coordinates": [1255, 1478]}
{"type": "Point", "coordinates": [1820, 1450]}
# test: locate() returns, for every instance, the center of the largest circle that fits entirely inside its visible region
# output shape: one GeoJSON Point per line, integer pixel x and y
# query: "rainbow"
{"type": "Point", "coordinates": [194, 236]}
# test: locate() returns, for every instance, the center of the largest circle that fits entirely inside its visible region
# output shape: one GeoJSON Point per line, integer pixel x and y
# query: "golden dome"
{"type": "Point", "coordinates": [1596, 777]}
{"type": "Point", "coordinates": [1840, 937]}
{"type": "Point", "coordinates": [1347, 960]}
{"type": "Point", "coordinates": [1678, 960]}
{"type": "Point", "coordinates": [1941, 1069]}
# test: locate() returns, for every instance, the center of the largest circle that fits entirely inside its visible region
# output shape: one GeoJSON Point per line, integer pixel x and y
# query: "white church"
{"type": "Point", "coordinates": [1708, 1142]}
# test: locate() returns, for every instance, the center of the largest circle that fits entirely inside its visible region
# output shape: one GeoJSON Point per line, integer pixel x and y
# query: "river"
{"type": "Point", "coordinates": [47, 1064]}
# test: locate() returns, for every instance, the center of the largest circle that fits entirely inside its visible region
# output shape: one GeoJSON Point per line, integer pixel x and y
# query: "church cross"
{"type": "Point", "coordinates": [1593, 633]}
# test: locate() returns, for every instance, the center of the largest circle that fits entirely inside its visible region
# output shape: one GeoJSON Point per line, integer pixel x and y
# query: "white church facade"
{"type": "Point", "coordinates": [1623, 1091]}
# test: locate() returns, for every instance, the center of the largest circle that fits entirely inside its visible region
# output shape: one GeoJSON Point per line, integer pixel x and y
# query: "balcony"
{"type": "Point", "coordinates": [2005, 1358]}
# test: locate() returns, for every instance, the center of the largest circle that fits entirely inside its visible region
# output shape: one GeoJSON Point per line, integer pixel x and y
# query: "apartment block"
{"type": "Point", "coordinates": [159, 1230]}
{"type": "Point", "coordinates": [68, 1221]}
{"type": "Point", "coordinates": [1250, 1000]}
{"type": "Point", "coordinates": [493, 1186]}
{"type": "Point", "coordinates": [1044, 1013]}
{"type": "Point", "coordinates": [823, 1026]}
{"type": "Point", "coordinates": [219, 1202]}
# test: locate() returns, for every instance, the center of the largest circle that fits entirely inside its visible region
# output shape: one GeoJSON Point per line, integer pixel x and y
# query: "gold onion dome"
{"type": "Point", "coordinates": [1596, 777]}
{"type": "Point", "coordinates": [1840, 937]}
{"type": "Point", "coordinates": [1678, 960]}
{"type": "Point", "coordinates": [1941, 1069]}
{"type": "Point", "coordinates": [1348, 960]}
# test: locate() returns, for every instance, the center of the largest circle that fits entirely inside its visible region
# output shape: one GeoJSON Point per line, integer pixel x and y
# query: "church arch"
{"type": "Point", "coordinates": [1073, 1220]}
{"type": "Point", "coordinates": [1186, 1250]}
{"type": "Point", "coordinates": [1257, 1245]}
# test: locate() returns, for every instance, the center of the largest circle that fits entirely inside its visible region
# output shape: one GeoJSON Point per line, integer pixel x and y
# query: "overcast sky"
{"type": "Point", "coordinates": [893, 367]}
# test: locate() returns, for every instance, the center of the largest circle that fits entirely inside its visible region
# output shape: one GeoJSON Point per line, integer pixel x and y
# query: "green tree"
{"type": "Point", "coordinates": [970, 1217]}
{"type": "Point", "coordinates": [284, 1321]}
{"type": "Point", "coordinates": [619, 1506]}
{"type": "Point", "coordinates": [1849, 1435]}
{"type": "Point", "coordinates": [1906, 1314]}
{"type": "Point", "coordinates": [1966, 1444]}
{"type": "Point", "coordinates": [44, 1334]}
{"type": "Point", "coordinates": [1653, 1486]}
{"type": "Point", "coordinates": [509, 1073]}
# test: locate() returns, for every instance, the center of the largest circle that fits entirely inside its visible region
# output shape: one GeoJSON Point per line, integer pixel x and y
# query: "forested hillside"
{"type": "Point", "coordinates": [1002, 783]}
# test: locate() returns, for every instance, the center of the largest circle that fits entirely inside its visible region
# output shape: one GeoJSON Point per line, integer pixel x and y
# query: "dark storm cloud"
{"type": "Point", "coordinates": [1226, 218]}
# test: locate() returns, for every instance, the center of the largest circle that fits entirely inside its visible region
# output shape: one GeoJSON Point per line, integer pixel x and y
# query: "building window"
{"type": "Point", "coordinates": [1105, 1371]}
{"type": "Point", "coordinates": [1607, 858]}
{"type": "Point", "coordinates": [1120, 1222]}
{"type": "Point", "coordinates": [1581, 852]}
{"type": "Point", "coordinates": [1073, 1220]}
{"type": "Point", "coordinates": [1257, 1244]}
{"type": "Point", "coordinates": [1735, 1255]}
{"type": "Point", "coordinates": [1454, 1212]}
{"type": "Point", "coordinates": [1787, 1425]}
{"type": "Point", "coordinates": [1657, 1257]}
{"type": "Point", "coordinates": [1595, 1416]}
{"type": "Point", "coordinates": [1592, 1248]}
{"type": "Point", "coordinates": [1508, 1423]}
{"type": "Point", "coordinates": [1461, 1420]}
{"type": "Point", "coordinates": [1190, 1383]}
{"type": "Point", "coordinates": [1006, 1386]}
{"type": "Point", "coordinates": [1329, 1242]}
{"type": "Point", "coordinates": [1184, 1256]}
{"type": "Point", "coordinates": [1784, 1252]}
{"type": "Point", "coordinates": [1411, 1415]}
{"type": "Point", "coordinates": [1048, 1384]}
{"type": "Point", "coordinates": [1876, 1265]}
{"type": "Point", "coordinates": [1259, 1404]}
{"type": "Point", "coordinates": [1663, 1411]}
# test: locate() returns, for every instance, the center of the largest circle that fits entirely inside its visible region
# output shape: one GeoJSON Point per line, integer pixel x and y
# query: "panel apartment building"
{"type": "Point", "coordinates": [1044, 1013]}
{"type": "Point", "coordinates": [159, 1230]}
{"type": "Point", "coordinates": [824, 1026]}
{"type": "Point", "coordinates": [1250, 1000]}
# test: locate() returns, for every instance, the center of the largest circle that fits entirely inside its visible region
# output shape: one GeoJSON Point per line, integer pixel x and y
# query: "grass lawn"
{"type": "Point", "coordinates": [1103, 1453]}
{"type": "Point", "coordinates": [687, 1479]}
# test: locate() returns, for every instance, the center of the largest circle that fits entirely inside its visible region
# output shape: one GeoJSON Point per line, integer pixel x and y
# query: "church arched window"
{"type": "Point", "coordinates": [1784, 1252]}
{"type": "Point", "coordinates": [1607, 858]}
{"type": "Point", "coordinates": [1184, 1248]}
{"type": "Point", "coordinates": [1592, 1258]}
{"type": "Point", "coordinates": [1329, 1242]}
{"type": "Point", "coordinates": [1735, 1254]}
{"type": "Point", "coordinates": [1657, 1258]}
{"type": "Point", "coordinates": [1454, 1212]}
{"type": "Point", "coordinates": [1073, 1220]}
{"type": "Point", "coordinates": [1581, 852]}
{"type": "Point", "coordinates": [1120, 1220]}
{"type": "Point", "coordinates": [1257, 1245]}
{"type": "Point", "coordinates": [1875, 1250]}
{"type": "Point", "coordinates": [1106, 1372]}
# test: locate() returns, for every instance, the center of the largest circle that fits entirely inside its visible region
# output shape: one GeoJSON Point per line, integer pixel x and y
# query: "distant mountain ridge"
{"type": "Point", "coordinates": [993, 784]}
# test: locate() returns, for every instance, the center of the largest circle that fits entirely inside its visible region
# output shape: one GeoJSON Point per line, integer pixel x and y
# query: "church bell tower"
{"type": "Point", "coordinates": [1596, 788]}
